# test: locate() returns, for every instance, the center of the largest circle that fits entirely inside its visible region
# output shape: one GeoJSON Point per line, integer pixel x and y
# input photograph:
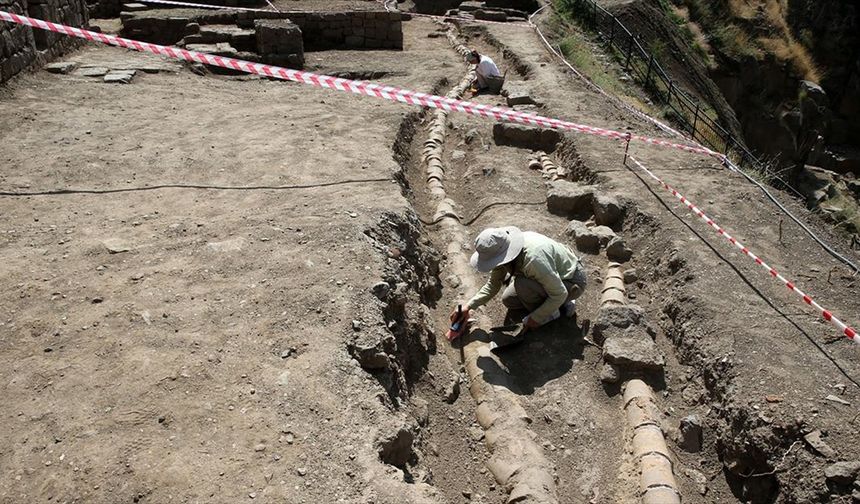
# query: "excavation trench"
{"type": "Point", "coordinates": [447, 170]}
{"type": "Point", "coordinates": [525, 424]}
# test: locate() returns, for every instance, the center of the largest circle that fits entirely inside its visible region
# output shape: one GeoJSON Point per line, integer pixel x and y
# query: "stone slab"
{"type": "Point", "coordinates": [61, 67]}
{"type": "Point", "coordinates": [120, 76]}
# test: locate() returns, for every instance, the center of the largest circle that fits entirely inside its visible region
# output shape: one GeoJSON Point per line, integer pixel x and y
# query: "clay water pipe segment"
{"type": "Point", "coordinates": [517, 462]}
{"type": "Point", "coordinates": [612, 293]}
{"type": "Point", "coordinates": [657, 483]}
{"type": "Point", "coordinates": [656, 476]}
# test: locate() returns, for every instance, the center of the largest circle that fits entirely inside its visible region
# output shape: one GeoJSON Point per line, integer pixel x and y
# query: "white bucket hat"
{"type": "Point", "coordinates": [495, 246]}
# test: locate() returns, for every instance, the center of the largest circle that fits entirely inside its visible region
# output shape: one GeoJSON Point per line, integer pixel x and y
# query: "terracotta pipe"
{"type": "Point", "coordinates": [656, 477]}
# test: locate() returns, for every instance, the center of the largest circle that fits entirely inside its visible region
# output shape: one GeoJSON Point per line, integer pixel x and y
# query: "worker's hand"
{"type": "Point", "coordinates": [465, 314]}
{"type": "Point", "coordinates": [530, 323]}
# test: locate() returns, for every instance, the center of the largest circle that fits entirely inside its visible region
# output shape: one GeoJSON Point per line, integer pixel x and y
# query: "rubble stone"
{"type": "Point", "coordinates": [813, 439]}
{"type": "Point", "coordinates": [589, 239]}
{"type": "Point", "coordinates": [842, 473]}
{"type": "Point", "coordinates": [618, 251]}
{"type": "Point", "coordinates": [610, 373]}
{"type": "Point", "coordinates": [690, 434]}
{"type": "Point", "coordinates": [396, 448]}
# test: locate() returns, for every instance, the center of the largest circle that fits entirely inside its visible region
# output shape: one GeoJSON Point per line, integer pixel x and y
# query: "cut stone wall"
{"type": "Point", "coordinates": [279, 42]}
{"type": "Point", "coordinates": [333, 30]}
{"type": "Point", "coordinates": [320, 30]}
{"type": "Point", "coordinates": [22, 47]}
{"type": "Point", "coordinates": [112, 8]}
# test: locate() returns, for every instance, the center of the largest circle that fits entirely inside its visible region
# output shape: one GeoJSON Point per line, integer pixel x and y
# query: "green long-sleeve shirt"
{"type": "Point", "coordinates": [544, 260]}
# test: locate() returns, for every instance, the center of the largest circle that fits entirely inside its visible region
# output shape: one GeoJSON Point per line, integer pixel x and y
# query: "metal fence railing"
{"type": "Point", "coordinates": [643, 66]}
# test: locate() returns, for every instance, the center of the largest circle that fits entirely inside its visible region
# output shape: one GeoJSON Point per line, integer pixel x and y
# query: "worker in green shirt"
{"type": "Point", "coordinates": [542, 276]}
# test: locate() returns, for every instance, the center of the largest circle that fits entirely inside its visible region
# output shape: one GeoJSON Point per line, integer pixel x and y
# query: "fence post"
{"type": "Point", "coordinates": [695, 118]}
{"type": "Point", "coordinates": [611, 33]}
{"type": "Point", "coordinates": [648, 74]}
{"type": "Point", "coordinates": [629, 54]}
{"type": "Point", "coordinates": [594, 14]}
{"type": "Point", "coordinates": [669, 94]}
{"type": "Point", "coordinates": [728, 145]}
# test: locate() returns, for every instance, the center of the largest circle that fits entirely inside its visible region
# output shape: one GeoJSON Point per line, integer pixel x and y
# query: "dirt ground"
{"type": "Point", "coordinates": [193, 263]}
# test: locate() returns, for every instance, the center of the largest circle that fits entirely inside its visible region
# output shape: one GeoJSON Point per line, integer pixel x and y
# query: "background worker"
{"type": "Point", "coordinates": [488, 75]}
{"type": "Point", "coordinates": [543, 276]}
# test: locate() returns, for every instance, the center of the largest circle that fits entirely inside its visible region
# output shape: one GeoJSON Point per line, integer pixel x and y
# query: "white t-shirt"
{"type": "Point", "coordinates": [487, 67]}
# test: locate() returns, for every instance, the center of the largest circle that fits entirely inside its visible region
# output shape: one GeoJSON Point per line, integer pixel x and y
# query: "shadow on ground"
{"type": "Point", "coordinates": [544, 354]}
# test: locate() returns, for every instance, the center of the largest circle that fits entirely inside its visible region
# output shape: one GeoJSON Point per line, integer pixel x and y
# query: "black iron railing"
{"type": "Point", "coordinates": [642, 65]}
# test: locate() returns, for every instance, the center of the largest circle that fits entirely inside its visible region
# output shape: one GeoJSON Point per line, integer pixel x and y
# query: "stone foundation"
{"type": "Point", "coordinates": [320, 30]}
{"type": "Point", "coordinates": [22, 47]}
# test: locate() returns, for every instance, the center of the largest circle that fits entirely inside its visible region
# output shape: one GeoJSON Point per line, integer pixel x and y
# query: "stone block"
{"type": "Point", "coordinates": [490, 15]}
{"type": "Point", "coordinates": [120, 76]}
{"type": "Point", "coordinates": [527, 137]}
{"type": "Point", "coordinates": [280, 42]}
{"type": "Point", "coordinates": [589, 239]}
{"type": "Point", "coordinates": [569, 199]}
{"type": "Point", "coordinates": [615, 319]}
{"type": "Point", "coordinates": [518, 94]}
{"type": "Point", "coordinates": [607, 210]}
{"type": "Point", "coordinates": [61, 67]}
{"type": "Point", "coordinates": [633, 350]}
{"type": "Point", "coordinates": [471, 6]}
{"type": "Point", "coordinates": [135, 7]}
{"type": "Point", "coordinates": [211, 34]}
{"type": "Point", "coordinates": [92, 72]}
{"type": "Point", "coordinates": [219, 49]}
{"type": "Point", "coordinates": [354, 41]}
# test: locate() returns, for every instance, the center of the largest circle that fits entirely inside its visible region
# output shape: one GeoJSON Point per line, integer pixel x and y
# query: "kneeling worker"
{"type": "Point", "coordinates": [488, 75]}
{"type": "Point", "coordinates": [543, 277]}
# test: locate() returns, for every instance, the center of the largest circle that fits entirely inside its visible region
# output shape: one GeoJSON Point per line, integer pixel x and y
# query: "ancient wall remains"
{"type": "Point", "coordinates": [22, 47]}
{"type": "Point", "coordinates": [320, 30]}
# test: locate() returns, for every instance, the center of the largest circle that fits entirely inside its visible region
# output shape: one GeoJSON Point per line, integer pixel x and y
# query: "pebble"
{"type": "Point", "coordinates": [301, 471]}
{"type": "Point", "coordinates": [260, 447]}
{"type": "Point", "coordinates": [252, 495]}
{"type": "Point", "coordinates": [356, 325]}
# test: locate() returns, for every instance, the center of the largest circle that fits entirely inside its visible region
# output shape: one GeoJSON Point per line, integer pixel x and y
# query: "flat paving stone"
{"type": "Point", "coordinates": [61, 67]}
{"type": "Point", "coordinates": [120, 76]}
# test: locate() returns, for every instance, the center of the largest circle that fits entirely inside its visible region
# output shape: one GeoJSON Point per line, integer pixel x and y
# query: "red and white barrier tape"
{"type": "Point", "coordinates": [358, 87]}
{"type": "Point", "coordinates": [207, 6]}
{"type": "Point", "coordinates": [827, 315]}
{"type": "Point", "coordinates": [412, 98]}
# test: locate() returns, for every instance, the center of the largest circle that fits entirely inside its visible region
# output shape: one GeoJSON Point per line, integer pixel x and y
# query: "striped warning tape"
{"type": "Point", "coordinates": [826, 314]}
{"type": "Point", "coordinates": [412, 98]}
{"type": "Point", "coordinates": [358, 87]}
